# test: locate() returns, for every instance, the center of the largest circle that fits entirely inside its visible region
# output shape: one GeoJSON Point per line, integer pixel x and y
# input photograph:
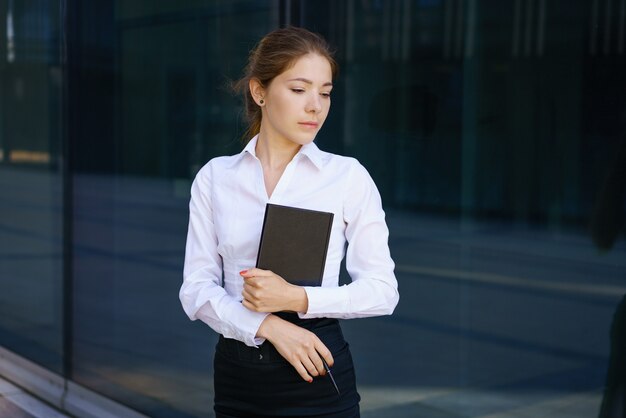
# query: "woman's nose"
{"type": "Point", "coordinates": [314, 104]}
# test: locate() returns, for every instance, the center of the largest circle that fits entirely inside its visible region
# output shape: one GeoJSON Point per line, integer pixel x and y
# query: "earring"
{"type": "Point", "coordinates": [261, 102]}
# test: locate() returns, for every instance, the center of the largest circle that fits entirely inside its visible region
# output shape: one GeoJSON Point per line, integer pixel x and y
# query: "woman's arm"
{"type": "Point", "coordinates": [374, 288]}
{"type": "Point", "coordinates": [201, 293]}
{"type": "Point", "coordinates": [264, 291]}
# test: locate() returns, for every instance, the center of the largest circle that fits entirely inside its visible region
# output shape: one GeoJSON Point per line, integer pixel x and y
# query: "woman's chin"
{"type": "Point", "coordinates": [303, 139]}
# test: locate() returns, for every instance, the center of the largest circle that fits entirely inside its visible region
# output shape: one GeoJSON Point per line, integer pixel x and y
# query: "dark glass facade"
{"type": "Point", "coordinates": [31, 182]}
{"type": "Point", "coordinates": [495, 131]}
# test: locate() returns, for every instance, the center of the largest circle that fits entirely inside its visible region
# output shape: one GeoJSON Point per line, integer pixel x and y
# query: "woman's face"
{"type": "Point", "coordinates": [297, 101]}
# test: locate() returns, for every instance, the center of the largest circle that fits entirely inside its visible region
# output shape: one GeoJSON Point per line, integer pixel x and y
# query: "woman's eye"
{"type": "Point", "coordinates": [326, 94]}
{"type": "Point", "coordinates": [298, 90]}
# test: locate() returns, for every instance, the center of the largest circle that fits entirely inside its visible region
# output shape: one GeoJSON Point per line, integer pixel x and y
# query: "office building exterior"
{"type": "Point", "coordinates": [495, 131]}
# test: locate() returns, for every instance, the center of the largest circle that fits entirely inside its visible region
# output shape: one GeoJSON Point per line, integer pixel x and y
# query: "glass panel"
{"type": "Point", "coordinates": [154, 108]}
{"type": "Point", "coordinates": [31, 186]}
{"type": "Point", "coordinates": [496, 134]}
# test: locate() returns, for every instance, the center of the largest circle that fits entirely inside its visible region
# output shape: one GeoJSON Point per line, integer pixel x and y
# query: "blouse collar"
{"type": "Point", "coordinates": [310, 150]}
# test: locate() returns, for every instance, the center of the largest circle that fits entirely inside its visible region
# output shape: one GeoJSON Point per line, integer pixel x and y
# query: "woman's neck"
{"type": "Point", "coordinates": [273, 153]}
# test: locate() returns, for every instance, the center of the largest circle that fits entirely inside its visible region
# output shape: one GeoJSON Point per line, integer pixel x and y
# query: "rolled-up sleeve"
{"type": "Point", "coordinates": [374, 288]}
{"type": "Point", "coordinates": [201, 293]}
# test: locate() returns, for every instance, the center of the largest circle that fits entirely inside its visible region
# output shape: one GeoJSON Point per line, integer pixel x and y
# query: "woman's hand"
{"type": "Point", "coordinates": [300, 347]}
{"type": "Point", "coordinates": [264, 291]}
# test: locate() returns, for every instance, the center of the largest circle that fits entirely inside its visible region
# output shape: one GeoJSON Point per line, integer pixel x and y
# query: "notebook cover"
{"type": "Point", "coordinates": [294, 243]}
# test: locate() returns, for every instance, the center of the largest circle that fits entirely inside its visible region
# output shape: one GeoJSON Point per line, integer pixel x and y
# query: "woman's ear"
{"type": "Point", "coordinates": [257, 91]}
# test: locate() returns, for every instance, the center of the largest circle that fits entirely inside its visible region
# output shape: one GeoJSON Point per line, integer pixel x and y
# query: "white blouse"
{"type": "Point", "coordinates": [226, 211]}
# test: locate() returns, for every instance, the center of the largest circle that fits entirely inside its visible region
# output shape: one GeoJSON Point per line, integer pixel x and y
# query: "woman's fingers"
{"type": "Point", "coordinates": [248, 300]}
{"type": "Point", "coordinates": [325, 353]}
{"type": "Point", "coordinates": [300, 347]}
{"type": "Point", "coordinates": [311, 358]}
{"type": "Point", "coordinates": [248, 305]}
{"type": "Point", "coordinates": [316, 362]}
{"type": "Point", "coordinates": [302, 371]}
{"type": "Point", "coordinates": [309, 366]}
{"type": "Point", "coordinates": [255, 272]}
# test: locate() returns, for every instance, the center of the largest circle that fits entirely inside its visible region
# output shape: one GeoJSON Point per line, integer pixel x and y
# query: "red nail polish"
{"type": "Point", "coordinates": [243, 271]}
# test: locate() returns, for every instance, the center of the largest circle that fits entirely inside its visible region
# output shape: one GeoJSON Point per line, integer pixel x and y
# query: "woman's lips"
{"type": "Point", "coordinates": [311, 125]}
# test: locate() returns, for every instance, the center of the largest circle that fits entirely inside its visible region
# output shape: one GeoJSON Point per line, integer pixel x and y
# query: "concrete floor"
{"type": "Point", "coordinates": [15, 403]}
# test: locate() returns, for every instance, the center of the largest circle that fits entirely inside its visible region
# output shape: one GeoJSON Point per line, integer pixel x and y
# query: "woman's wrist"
{"type": "Point", "coordinates": [267, 327]}
{"type": "Point", "coordinates": [299, 302]}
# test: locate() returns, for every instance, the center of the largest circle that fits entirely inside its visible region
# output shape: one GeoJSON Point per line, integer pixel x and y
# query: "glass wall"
{"type": "Point", "coordinates": [496, 132]}
{"type": "Point", "coordinates": [155, 107]}
{"type": "Point", "coordinates": [31, 183]}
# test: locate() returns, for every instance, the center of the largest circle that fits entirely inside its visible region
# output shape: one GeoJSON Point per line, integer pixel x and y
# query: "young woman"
{"type": "Point", "coordinates": [275, 336]}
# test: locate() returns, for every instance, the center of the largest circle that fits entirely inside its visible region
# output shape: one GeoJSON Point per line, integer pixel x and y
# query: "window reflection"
{"type": "Point", "coordinates": [31, 209]}
{"type": "Point", "coordinates": [10, 34]}
{"type": "Point", "coordinates": [151, 121]}
{"type": "Point", "coordinates": [490, 147]}
{"type": "Point", "coordinates": [494, 130]}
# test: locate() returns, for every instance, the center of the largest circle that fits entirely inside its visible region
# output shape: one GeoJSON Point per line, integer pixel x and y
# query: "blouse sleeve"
{"type": "Point", "coordinates": [374, 288]}
{"type": "Point", "coordinates": [201, 293]}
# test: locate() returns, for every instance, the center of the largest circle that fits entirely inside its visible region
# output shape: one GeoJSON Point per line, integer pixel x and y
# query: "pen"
{"type": "Point", "coordinates": [332, 379]}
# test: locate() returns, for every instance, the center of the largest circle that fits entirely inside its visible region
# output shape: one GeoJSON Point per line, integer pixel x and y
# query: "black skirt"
{"type": "Point", "coordinates": [259, 382]}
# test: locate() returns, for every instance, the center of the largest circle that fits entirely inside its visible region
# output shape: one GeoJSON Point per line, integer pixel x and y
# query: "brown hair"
{"type": "Point", "coordinates": [275, 53]}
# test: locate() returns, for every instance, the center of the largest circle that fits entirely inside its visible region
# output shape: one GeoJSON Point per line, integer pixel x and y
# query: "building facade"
{"type": "Point", "coordinates": [495, 131]}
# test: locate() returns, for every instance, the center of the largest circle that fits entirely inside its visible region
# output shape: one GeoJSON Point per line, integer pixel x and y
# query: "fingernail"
{"type": "Point", "coordinates": [243, 271]}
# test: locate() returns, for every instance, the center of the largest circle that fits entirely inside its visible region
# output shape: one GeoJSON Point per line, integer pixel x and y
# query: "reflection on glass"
{"type": "Point", "coordinates": [31, 210]}
{"type": "Point", "coordinates": [10, 34]}
{"type": "Point", "coordinates": [494, 130]}
{"type": "Point", "coordinates": [154, 118]}
{"type": "Point", "coordinates": [489, 127]}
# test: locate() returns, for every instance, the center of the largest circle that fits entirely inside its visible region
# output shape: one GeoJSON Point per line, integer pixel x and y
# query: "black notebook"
{"type": "Point", "coordinates": [294, 243]}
